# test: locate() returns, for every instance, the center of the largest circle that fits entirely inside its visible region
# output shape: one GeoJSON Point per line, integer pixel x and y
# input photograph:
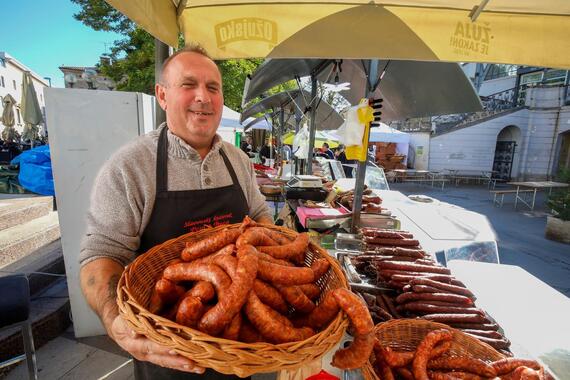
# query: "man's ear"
{"type": "Point", "coordinates": [160, 93]}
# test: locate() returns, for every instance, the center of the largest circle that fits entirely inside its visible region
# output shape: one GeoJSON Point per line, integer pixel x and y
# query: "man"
{"type": "Point", "coordinates": [179, 178]}
{"type": "Point", "coordinates": [327, 151]}
{"type": "Point", "coordinates": [246, 145]}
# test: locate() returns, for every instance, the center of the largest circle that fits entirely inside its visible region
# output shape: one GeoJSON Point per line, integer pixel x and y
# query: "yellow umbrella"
{"type": "Point", "coordinates": [320, 139]}
{"type": "Point", "coordinates": [526, 32]}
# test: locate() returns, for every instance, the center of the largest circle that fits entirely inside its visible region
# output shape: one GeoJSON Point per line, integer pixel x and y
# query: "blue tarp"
{"type": "Point", "coordinates": [35, 170]}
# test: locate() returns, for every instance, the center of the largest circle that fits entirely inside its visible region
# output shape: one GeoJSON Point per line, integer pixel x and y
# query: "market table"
{"type": "Point", "coordinates": [533, 315]}
{"type": "Point", "coordinates": [535, 186]}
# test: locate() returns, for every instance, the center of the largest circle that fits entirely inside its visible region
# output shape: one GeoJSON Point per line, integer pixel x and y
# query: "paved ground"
{"type": "Point", "coordinates": [520, 233]}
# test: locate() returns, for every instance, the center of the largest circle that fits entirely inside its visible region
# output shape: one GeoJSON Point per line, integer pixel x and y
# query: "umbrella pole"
{"type": "Point", "coordinates": [161, 52]}
{"type": "Point", "coordinates": [313, 126]}
{"type": "Point", "coordinates": [361, 167]}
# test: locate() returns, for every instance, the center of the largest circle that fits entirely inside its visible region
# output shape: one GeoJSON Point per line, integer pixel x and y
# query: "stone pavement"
{"type": "Point", "coordinates": [520, 232]}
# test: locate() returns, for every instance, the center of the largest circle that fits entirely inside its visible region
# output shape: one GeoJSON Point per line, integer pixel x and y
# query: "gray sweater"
{"type": "Point", "coordinates": [124, 191]}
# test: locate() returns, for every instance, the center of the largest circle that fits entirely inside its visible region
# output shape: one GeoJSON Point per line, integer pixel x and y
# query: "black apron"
{"type": "Point", "coordinates": [178, 212]}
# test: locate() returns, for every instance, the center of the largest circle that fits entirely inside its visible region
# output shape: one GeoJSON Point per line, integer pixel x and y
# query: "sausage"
{"type": "Point", "coordinates": [312, 291]}
{"type": "Point", "coordinates": [211, 244]}
{"type": "Point", "coordinates": [476, 326]}
{"type": "Point", "coordinates": [189, 311]}
{"type": "Point", "coordinates": [231, 331]}
{"type": "Point", "coordinates": [405, 373]}
{"type": "Point", "coordinates": [231, 301]}
{"type": "Point", "coordinates": [274, 329]}
{"type": "Point", "coordinates": [390, 234]}
{"type": "Point", "coordinates": [381, 367]}
{"type": "Point", "coordinates": [320, 267]}
{"type": "Point", "coordinates": [168, 291]}
{"type": "Point", "coordinates": [322, 315]}
{"type": "Point", "coordinates": [429, 308]}
{"type": "Point", "coordinates": [437, 375]}
{"type": "Point", "coordinates": [270, 296]}
{"type": "Point", "coordinates": [525, 373]}
{"type": "Point", "coordinates": [457, 318]}
{"type": "Point", "coordinates": [199, 272]}
{"type": "Point", "coordinates": [423, 352]}
{"type": "Point", "coordinates": [484, 333]}
{"type": "Point", "coordinates": [248, 333]}
{"type": "Point", "coordinates": [202, 290]}
{"type": "Point", "coordinates": [227, 250]}
{"type": "Point", "coordinates": [445, 297]}
{"type": "Point", "coordinates": [435, 277]}
{"type": "Point", "coordinates": [355, 355]}
{"type": "Point", "coordinates": [246, 223]}
{"type": "Point", "coordinates": [296, 298]}
{"type": "Point", "coordinates": [284, 275]}
{"type": "Point", "coordinates": [399, 242]}
{"type": "Point", "coordinates": [396, 359]}
{"type": "Point", "coordinates": [506, 365]}
{"type": "Point", "coordinates": [255, 236]}
{"type": "Point", "coordinates": [289, 251]}
{"type": "Point", "coordinates": [390, 306]}
{"type": "Point", "coordinates": [440, 349]}
{"type": "Point", "coordinates": [412, 267]}
{"type": "Point", "coordinates": [250, 250]}
{"type": "Point", "coordinates": [439, 285]}
{"type": "Point", "coordinates": [397, 251]}
{"type": "Point", "coordinates": [156, 304]}
{"type": "Point", "coordinates": [502, 343]}
{"type": "Point", "coordinates": [463, 363]}
{"type": "Point", "coordinates": [355, 309]}
{"type": "Point", "coordinates": [278, 237]}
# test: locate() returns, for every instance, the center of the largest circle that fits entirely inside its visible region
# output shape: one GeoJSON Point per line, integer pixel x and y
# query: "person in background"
{"type": "Point", "coordinates": [247, 146]}
{"type": "Point", "coordinates": [327, 151]}
{"type": "Point", "coordinates": [265, 152]}
{"type": "Point", "coordinates": [179, 178]}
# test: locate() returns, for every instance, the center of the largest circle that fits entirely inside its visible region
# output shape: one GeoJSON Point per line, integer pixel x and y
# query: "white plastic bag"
{"type": "Point", "coordinates": [351, 131]}
{"type": "Point", "coordinates": [301, 143]}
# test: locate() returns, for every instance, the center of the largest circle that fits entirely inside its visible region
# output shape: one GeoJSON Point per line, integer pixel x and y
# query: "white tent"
{"type": "Point", "coordinates": [385, 133]}
{"type": "Point", "coordinates": [229, 125]}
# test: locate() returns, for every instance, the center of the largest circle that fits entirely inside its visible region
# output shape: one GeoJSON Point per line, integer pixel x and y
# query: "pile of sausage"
{"type": "Point", "coordinates": [250, 284]}
{"type": "Point", "coordinates": [425, 289]}
{"type": "Point", "coordinates": [433, 361]}
{"type": "Point", "coordinates": [370, 203]}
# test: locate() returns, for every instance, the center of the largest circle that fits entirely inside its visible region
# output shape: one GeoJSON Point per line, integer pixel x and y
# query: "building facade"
{"type": "Point", "coordinates": [11, 75]}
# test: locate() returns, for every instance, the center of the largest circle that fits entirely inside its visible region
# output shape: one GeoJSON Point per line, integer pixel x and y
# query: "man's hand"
{"type": "Point", "coordinates": [144, 349]}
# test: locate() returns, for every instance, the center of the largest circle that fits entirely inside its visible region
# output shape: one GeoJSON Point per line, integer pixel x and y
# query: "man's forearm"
{"type": "Point", "coordinates": [264, 219]}
{"type": "Point", "coordinates": [99, 280]}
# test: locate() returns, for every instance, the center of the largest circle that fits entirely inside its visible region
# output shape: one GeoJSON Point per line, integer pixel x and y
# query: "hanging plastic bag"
{"type": "Point", "coordinates": [352, 130]}
{"type": "Point", "coordinates": [364, 115]}
{"type": "Point", "coordinates": [35, 170]}
{"type": "Point", "coordinates": [301, 143]}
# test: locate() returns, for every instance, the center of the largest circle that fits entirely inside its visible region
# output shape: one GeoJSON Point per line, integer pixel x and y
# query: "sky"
{"type": "Point", "coordinates": [43, 35]}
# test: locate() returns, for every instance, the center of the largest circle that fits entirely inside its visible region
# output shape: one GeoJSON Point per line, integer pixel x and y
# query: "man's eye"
{"type": "Point", "coordinates": [213, 88]}
{"type": "Point", "coordinates": [188, 84]}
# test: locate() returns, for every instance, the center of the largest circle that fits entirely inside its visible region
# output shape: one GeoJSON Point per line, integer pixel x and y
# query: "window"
{"type": "Point", "coordinates": [2, 81]}
{"type": "Point", "coordinates": [495, 71]}
{"type": "Point", "coordinates": [18, 114]}
{"type": "Point", "coordinates": [552, 76]}
{"type": "Point", "coordinates": [530, 78]}
{"type": "Point", "coordinates": [14, 83]}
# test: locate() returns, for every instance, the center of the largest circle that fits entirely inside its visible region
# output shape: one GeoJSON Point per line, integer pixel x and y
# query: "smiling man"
{"type": "Point", "coordinates": [179, 178]}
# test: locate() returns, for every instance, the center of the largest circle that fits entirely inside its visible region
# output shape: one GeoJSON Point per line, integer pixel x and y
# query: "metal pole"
{"type": "Point", "coordinates": [281, 133]}
{"type": "Point", "coordinates": [313, 127]}
{"type": "Point", "coordinates": [298, 117]}
{"type": "Point", "coordinates": [161, 52]}
{"type": "Point", "coordinates": [361, 167]}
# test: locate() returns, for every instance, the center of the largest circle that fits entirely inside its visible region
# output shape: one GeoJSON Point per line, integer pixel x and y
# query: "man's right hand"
{"type": "Point", "coordinates": [144, 349]}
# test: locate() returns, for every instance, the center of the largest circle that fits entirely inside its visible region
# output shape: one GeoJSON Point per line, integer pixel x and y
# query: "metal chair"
{"type": "Point", "coordinates": [15, 312]}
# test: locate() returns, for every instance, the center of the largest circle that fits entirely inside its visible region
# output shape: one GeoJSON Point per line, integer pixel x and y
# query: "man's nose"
{"type": "Point", "coordinates": [202, 95]}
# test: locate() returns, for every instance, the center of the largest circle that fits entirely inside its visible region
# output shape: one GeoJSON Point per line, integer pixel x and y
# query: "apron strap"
{"type": "Point", "coordinates": [230, 168]}
{"type": "Point", "coordinates": [161, 163]}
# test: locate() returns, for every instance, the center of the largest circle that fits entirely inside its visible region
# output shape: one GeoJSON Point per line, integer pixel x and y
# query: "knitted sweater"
{"type": "Point", "coordinates": [123, 194]}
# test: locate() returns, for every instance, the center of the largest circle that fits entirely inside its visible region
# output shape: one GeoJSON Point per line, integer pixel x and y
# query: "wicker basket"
{"type": "Point", "coordinates": [225, 356]}
{"type": "Point", "coordinates": [406, 334]}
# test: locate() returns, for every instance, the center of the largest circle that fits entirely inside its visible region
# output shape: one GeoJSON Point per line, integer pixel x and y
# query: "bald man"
{"type": "Point", "coordinates": [177, 179]}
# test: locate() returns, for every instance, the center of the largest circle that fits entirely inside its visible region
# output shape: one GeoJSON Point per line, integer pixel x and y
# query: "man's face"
{"type": "Point", "coordinates": [191, 94]}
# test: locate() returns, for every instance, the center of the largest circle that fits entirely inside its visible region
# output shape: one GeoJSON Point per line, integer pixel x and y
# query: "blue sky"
{"type": "Point", "coordinates": [43, 35]}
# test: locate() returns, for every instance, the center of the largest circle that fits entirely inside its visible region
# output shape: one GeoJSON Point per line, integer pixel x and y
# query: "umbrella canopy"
{"type": "Point", "coordinates": [526, 32]}
{"type": "Point", "coordinates": [409, 89]}
{"type": "Point", "coordinates": [385, 133]}
{"type": "Point", "coordinates": [8, 103]}
{"type": "Point", "coordinates": [320, 138]}
{"type": "Point", "coordinates": [30, 106]}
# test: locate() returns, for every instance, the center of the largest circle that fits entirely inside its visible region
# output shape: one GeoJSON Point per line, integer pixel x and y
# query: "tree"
{"type": "Point", "coordinates": [132, 58]}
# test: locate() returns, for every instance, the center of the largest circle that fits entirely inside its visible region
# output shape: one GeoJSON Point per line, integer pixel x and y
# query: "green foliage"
{"type": "Point", "coordinates": [559, 201]}
{"type": "Point", "coordinates": [234, 72]}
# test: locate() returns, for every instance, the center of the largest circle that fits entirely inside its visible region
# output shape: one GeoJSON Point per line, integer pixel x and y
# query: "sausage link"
{"type": "Point", "coordinates": [189, 311]}
{"type": "Point", "coordinates": [296, 298]}
{"type": "Point", "coordinates": [502, 343]}
{"type": "Point", "coordinates": [231, 301]}
{"type": "Point", "coordinates": [199, 272]}
{"type": "Point", "coordinates": [209, 245]}
{"type": "Point", "coordinates": [227, 250]}
{"type": "Point", "coordinates": [409, 277]}
{"type": "Point", "coordinates": [405, 373]}
{"type": "Point", "coordinates": [355, 309]}
{"type": "Point", "coordinates": [412, 267]}
{"type": "Point", "coordinates": [423, 352]}
{"type": "Point", "coordinates": [356, 354]}
{"type": "Point", "coordinates": [322, 315]}
{"type": "Point", "coordinates": [382, 368]}
{"type": "Point", "coordinates": [447, 287]}
{"type": "Point", "coordinates": [270, 327]}
{"type": "Point", "coordinates": [506, 365]}
{"type": "Point", "coordinates": [289, 251]}
{"type": "Point", "coordinates": [320, 267]}
{"type": "Point", "coordinates": [428, 308]}
{"type": "Point", "coordinates": [466, 364]}
{"type": "Point", "coordinates": [202, 290]}
{"type": "Point", "coordinates": [248, 333]}
{"type": "Point", "coordinates": [475, 326]}
{"type": "Point", "coordinates": [445, 297]}
{"type": "Point", "coordinates": [168, 291]}
{"type": "Point", "coordinates": [277, 236]}
{"type": "Point", "coordinates": [283, 275]}
{"type": "Point", "coordinates": [248, 249]}
{"type": "Point", "coordinates": [231, 332]}
{"type": "Point", "coordinates": [255, 236]}
{"type": "Point", "coordinates": [390, 234]}
{"type": "Point", "coordinates": [455, 318]}
{"type": "Point", "coordinates": [270, 296]}
{"type": "Point", "coordinates": [393, 242]}
{"type": "Point", "coordinates": [312, 291]}
{"type": "Point", "coordinates": [397, 251]}
{"type": "Point", "coordinates": [484, 333]}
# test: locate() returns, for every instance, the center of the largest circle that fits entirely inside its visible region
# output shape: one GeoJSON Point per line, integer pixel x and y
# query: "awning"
{"type": "Point", "coordinates": [525, 32]}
